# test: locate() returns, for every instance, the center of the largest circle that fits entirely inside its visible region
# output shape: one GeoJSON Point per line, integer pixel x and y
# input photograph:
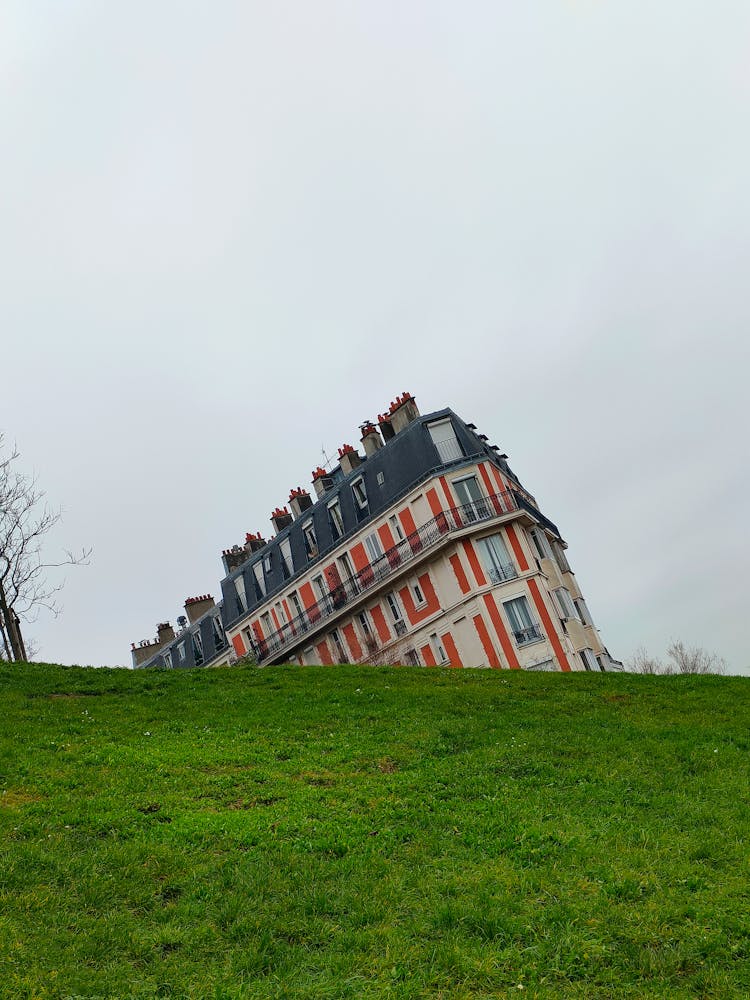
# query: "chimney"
{"type": "Point", "coordinates": [280, 518]}
{"type": "Point", "coordinates": [164, 633]}
{"type": "Point", "coordinates": [253, 543]}
{"type": "Point", "coordinates": [384, 423]}
{"type": "Point", "coordinates": [299, 501]}
{"type": "Point", "coordinates": [402, 411]}
{"type": "Point", "coordinates": [232, 558]}
{"type": "Point", "coordinates": [349, 459]}
{"type": "Point", "coordinates": [322, 481]}
{"type": "Point", "coordinates": [143, 651]}
{"type": "Point", "coordinates": [196, 607]}
{"type": "Point", "coordinates": [371, 439]}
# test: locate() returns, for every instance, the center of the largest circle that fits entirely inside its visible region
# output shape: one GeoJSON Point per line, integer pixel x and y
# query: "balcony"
{"type": "Point", "coordinates": [410, 549]}
{"type": "Point", "coordinates": [525, 636]}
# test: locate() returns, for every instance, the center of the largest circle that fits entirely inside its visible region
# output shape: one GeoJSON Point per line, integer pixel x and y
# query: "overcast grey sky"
{"type": "Point", "coordinates": [230, 232]}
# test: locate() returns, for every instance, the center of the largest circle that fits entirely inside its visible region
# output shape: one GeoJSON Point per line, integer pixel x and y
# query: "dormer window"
{"type": "Point", "coordinates": [335, 518]}
{"type": "Point", "coordinates": [360, 493]}
{"type": "Point", "coordinates": [311, 542]}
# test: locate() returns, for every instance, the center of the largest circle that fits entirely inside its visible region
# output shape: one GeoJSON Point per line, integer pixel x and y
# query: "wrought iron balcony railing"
{"type": "Point", "coordinates": [406, 551]}
{"type": "Point", "coordinates": [524, 636]}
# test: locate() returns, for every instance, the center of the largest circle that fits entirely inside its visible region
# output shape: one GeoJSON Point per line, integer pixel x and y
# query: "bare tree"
{"type": "Point", "coordinates": [695, 660]}
{"type": "Point", "coordinates": [681, 659]}
{"type": "Point", "coordinates": [25, 520]}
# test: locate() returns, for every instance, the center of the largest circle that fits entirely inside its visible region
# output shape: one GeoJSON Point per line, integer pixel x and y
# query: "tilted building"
{"type": "Point", "coordinates": [426, 549]}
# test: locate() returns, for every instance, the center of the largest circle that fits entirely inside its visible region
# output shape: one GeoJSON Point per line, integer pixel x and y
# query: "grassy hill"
{"type": "Point", "coordinates": [369, 832]}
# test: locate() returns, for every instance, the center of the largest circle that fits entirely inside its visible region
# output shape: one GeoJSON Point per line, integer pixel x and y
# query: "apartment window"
{"type": "Point", "coordinates": [373, 546]}
{"type": "Point", "coordinates": [217, 627]}
{"type": "Point", "coordinates": [437, 648]}
{"type": "Point", "coordinates": [181, 652]}
{"type": "Point", "coordinates": [197, 649]}
{"type": "Point", "coordinates": [522, 624]}
{"type": "Point", "coordinates": [267, 563]}
{"type": "Point", "coordinates": [419, 597]}
{"type": "Point", "coordinates": [260, 581]}
{"type": "Point", "coordinates": [411, 657]}
{"type": "Point", "coordinates": [321, 590]}
{"type": "Point", "coordinates": [380, 478]}
{"type": "Point", "coordinates": [444, 438]}
{"type": "Point", "coordinates": [396, 615]}
{"type": "Point", "coordinates": [346, 568]}
{"type": "Point", "coordinates": [360, 493]}
{"type": "Point", "coordinates": [473, 505]}
{"type": "Point", "coordinates": [287, 563]}
{"type": "Point", "coordinates": [309, 657]}
{"type": "Point", "coordinates": [590, 662]}
{"type": "Point", "coordinates": [541, 543]}
{"type": "Point", "coordinates": [583, 611]}
{"type": "Point", "coordinates": [396, 528]}
{"type": "Point", "coordinates": [168, 659]}
{"type": "Point", "coordinates": [338, 646]}
{"type": "Point", "coordinates": [281, 615]}
{"type": "Point", "coordinates": [364, 624]}
{"type": "Point", "coordinates": [311, 542]}
{"type": "Point", "coordinates": [335, 518]}
{"type": "Point", "coordinates": [560, 557]}
{"type": "Point", "coordinates": [496, 559]}
{"type": "Point", "coordinates": [250, 638]}
{"type": "Point", "coordinates": [239, 586]}
{"type": "Point", "coordinates": [295, 603]}
{"type": "Point", "coordinates": [565, 602]}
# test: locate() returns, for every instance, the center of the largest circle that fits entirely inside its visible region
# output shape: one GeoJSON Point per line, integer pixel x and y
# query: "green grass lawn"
{"type": "Point", "coordinates": [372, 832]}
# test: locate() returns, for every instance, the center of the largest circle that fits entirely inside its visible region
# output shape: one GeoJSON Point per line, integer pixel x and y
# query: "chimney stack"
{"type": "Point", "coordinates": [348, 459]}
{"type": "Point", "coordinates": [143, 650]}
{"type": "Point", "coordinates": [280, 518]}
{"type": "Point", "coordinates": [196, 607]}
{"type": "Point", "coordinates": [371, 439]}
{"type": "Point", "coordinates": [299, 501]}
{"type": "Point", "coordinates": [164, 633]}
{"type": "Point", "coordinates": [384, 423]}
{"type": "Point", "coordinates": [321, 481]}
{"type": "Point", "coordinates": [402, 412]}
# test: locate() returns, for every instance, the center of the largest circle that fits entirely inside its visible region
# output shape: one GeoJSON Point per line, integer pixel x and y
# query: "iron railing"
{"type": "Point", "coordinates": [375, 573]}
{"type": "Point", "coordinates": [523, 636]}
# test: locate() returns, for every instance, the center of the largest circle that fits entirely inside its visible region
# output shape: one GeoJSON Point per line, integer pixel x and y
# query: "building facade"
{"type": "Point", "coordinates": [424, 549]}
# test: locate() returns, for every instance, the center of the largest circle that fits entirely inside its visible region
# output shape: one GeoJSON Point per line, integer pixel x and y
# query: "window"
{"type": "Point", "coordinates": [287, 563]}
{"type": "Point", "coordinates": [321, 589]}
{"type": "Point", "coordinates": [280, 614]}
{"type": "Point", "coordinates": [445, 440]}
{"type": "Point", "coordinates": [419, 597]}
{"type": "Point", "coordinates": [373, 546]}
{"type": "Point", "coordinates": [411, 657]}
{"type": "Point", "coordinates": [309, 656]}
{"type": "Point", "coordinates": [239, 586]}
{"type": "Point", "coordinates": [360, 494]}
{"type": "Point", "coordinates": [267, 623]}
{"type": "Point", "coordinates": [267, 563]}
{"type": "Point", "coordinates": [346, 568]}
{"type": "Point", "coordinates": [296, 606]}
{"type": "Point", "coordinates": [524, 628]}
{"type": "Point", "coordinates": [217, 627]}
{"type": "Point", "coordinates": [381, 478]}
{"type": "Point", "coordinates": [560, 557]}
{"type": "Point", "coordinates": [311, 542]}
{"type": "Point", "coordinates": [496, 559]}
{"type": "Point", "coordinates": [583, 611]}
{"type": "Point", "coordinates": [335, 518]}
{"type": "Point", "coordinates": [396, 528]}
{"type": "Point", "coordinates": [181, 652]}
{"type": "Point", "coordinates": [197, 649]}
{"type": "Point", "coordinates": [541, 543]}
{"type": "Point", "coordinates": [260, 581]}
{"type": "Point", "coordinates": [168, 659]}
{"type": "Point", "coordinates": [590, 662]}
{"type": "Point", "coordinates": [250, 639]}
{"type": "Point", "coordinates": [364, 624]}
{"type": "Point", "coordinates": [437, 648]}
{"type": "Point", "coordinates": [470, 497]}
{"type": "Point", "coordinates": [338, 646]}
{"type": "Point", "coordinates": [565, 602]}
{"type": "Point", "coordinates": [396, 616]}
